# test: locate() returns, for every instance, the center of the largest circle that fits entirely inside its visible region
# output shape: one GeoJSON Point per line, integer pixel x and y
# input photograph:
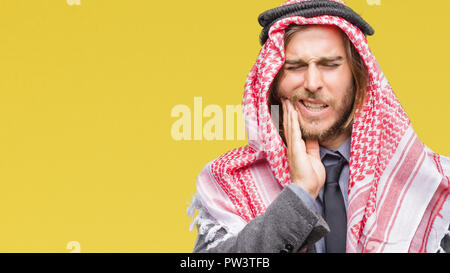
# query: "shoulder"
{"type": "Point", "coordinates": [230, 162]}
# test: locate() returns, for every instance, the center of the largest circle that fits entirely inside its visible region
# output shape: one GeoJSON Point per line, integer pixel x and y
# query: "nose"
{"type": "Point", "coordinates": [313, 79]}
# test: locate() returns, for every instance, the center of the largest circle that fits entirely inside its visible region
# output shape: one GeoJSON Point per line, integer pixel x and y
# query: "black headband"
{"type": "Point", "coordinates": [311, 9]}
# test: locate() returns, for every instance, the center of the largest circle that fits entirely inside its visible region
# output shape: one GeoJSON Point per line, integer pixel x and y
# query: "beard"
{"type": "Point", "coordinates": [344, 110]}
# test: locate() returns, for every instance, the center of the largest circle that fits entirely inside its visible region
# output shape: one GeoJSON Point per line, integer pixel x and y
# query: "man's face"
{"type": "Point", "coordinates": [317, 79]}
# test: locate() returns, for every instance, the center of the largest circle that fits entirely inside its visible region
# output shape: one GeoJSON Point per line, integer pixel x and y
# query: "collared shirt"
{"type": "Point", "coordinates": [317, 205]}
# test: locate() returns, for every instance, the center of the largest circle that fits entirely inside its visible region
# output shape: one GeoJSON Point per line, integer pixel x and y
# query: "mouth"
{"type": "Point", "coordinates": [313, 108]}
{"type": "Point", "coordinates": [314, 105]}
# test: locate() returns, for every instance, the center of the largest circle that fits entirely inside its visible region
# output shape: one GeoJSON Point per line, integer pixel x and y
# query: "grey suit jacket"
{"type": "Point", "coordinates": [288, 225]}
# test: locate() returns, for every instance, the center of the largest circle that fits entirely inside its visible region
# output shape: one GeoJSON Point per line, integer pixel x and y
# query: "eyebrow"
{"type": "Point", "coordinates": [321, 60]}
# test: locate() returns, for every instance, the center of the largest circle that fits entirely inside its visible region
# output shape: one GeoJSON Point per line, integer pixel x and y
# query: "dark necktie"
{"type": "Point", "coordinates": [334, 207]}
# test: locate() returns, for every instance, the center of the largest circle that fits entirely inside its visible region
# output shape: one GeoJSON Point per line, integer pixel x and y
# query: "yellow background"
{"type": "Point", "coordinates": [86, 94]}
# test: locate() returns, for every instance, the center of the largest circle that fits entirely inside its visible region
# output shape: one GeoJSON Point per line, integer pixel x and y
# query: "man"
{"type": "Point", "coordinates": [345, 173]}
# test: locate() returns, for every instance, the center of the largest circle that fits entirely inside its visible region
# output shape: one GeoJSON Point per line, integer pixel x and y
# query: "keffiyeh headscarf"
{"type": "Point", "coordinates": [398, 188]}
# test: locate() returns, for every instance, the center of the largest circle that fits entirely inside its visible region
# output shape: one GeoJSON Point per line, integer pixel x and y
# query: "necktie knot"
{"type": "Point", "coordinates": [334, 167]}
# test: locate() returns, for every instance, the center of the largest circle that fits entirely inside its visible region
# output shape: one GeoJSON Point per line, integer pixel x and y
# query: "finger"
{"type": "Point", "coordinates": [297, 146]}
{"type": "Point", "coordinates": [287, 131]}
{"type": "Point", "coordinates": [296, 134]}
{"type": "Point", "coordinates": [285, 118]}
{"type": "Point", "coordinates": [299, 118]}
{"type": "Point", "coordinates": [286, 127]}
{"type": "Point", "coordinates": [289, 125]}
{"type": "Point", "coordinates": [312, 148]}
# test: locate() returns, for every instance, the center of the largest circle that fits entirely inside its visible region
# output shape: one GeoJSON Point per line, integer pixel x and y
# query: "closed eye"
{"type": "Point", "coordinates": [331, 65]}
{"type": "Point", "coordinates": [295, 67]}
